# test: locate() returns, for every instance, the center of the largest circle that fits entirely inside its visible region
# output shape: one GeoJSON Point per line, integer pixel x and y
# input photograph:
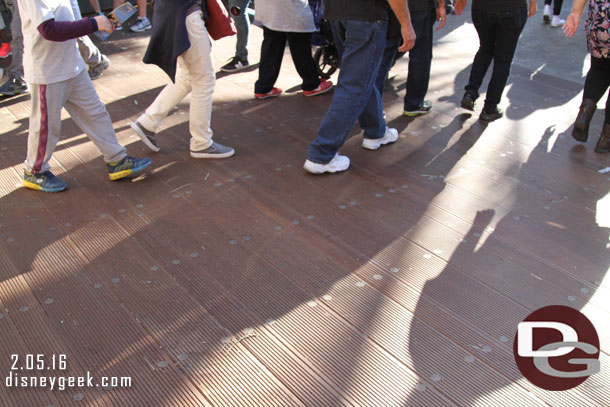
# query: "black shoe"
{"type": "Point", "coordinates": [581, 125]}
{"type": "Point", "coordinates": [236, 64]}
{"type": "Point", "coordinates": [468, 102]}
{"type": "Point", "coordinates": [14, 87]}
{"type": "Point", "coordinates": [489, 115]}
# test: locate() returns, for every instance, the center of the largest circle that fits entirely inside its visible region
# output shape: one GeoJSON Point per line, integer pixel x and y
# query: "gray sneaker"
{"type": "Point", "coordinates": [97, 71]}
{"type": "Point", "coordinates": [214, 151]}
{"type": "Point", "coordinates": [142, 24]}
{"type": "Point", "coordinates": [148, 137]}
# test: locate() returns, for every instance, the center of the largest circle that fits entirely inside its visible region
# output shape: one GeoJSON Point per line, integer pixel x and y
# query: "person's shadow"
{"type": "Point", "coordinates": [461, 335]}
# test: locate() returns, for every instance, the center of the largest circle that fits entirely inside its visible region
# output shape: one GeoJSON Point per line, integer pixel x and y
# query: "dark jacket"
{"type": "Point", "coordinates": [169, 39]}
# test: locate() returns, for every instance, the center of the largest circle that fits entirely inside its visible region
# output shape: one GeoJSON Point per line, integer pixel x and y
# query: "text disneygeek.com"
{"type": "Point", "coordinates": [26, 372]}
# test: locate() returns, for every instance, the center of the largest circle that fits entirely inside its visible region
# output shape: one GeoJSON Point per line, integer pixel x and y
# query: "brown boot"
{"type": "Point", "coordinates": [581, 125]}
{"type": "Point", "coordinates": [603, 144]}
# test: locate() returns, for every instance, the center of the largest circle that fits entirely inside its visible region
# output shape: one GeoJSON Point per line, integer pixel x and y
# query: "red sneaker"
{"type": "Point", "coordinates": [271, 94]}
{"type": "Point", "coordinates": [323, 87]}
{"type": "Point", "coordinates": [5, 50]}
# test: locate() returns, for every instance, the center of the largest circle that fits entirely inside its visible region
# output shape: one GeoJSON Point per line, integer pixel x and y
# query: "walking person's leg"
{"type": "Point", "coordinates": [142, 22]}
{"type": "Point", "coordinates": [420, 59]}
{"type": "Point", "coordinates": [508, 30]}
{"type": "Point", "coordinates": [90, 114]}
{"type": "Point", "coordinates": [16, 83]}
{"type": "Point", "coordinates": [300, 50]}
{"type": "Point", "coordinates": [198, 61]}
{"type": "Point", "coordinates": [361, 44]}
{"type": "Point", "coordinates": [147, 124]}
{"type": "Point", "coordinates": [557, 21]}
{"type": "Point", "coordinates": [485, 25]}
{"type": "Point", "coordinates": [272, 53]}
{"type": "Point", "coordinates": [596, 83]}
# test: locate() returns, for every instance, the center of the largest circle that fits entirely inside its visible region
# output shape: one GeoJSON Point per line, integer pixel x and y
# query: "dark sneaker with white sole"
{"type": "Point", "coordinates": [236, 64]}
{"type": "Point", "coordinates": [14, 87]}
{"type": "Point", "coordinates": [45, 182]}
{"type": "Point", "coordinates": [424, 108]}
{"type": "Point", "coordinates": [126, 167]}
{"type": "Point", "coordinates": [149, 138]}
{"type": "Point", "coordinates": [216, 150]}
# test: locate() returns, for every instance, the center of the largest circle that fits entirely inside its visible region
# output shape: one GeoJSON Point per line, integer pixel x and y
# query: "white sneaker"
{"type": "Point", "coordinates": [546, 15]}
{"type": "Point", "coordinates": [337, 164]}
{"type": "Point", "coordinates": [390, 136]}
{"type": "Point", "coordinates": [557, 22]}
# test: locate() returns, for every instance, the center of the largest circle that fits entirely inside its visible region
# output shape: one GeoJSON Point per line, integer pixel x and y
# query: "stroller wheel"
{"type": "Point", "coordinates": [327, 61]}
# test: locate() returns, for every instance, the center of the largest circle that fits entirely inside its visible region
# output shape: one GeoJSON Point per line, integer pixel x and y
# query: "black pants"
{"type": "Point", "coordinates": [272, 52]}
{"type": "Point", "coordinates": [420, 59]}
{"type": "Point", "coordinates": [498, 34]}
{"type": "Point", "coordinates": [598, 80]}
{"type": "Point", "coordinates": [556, 6]}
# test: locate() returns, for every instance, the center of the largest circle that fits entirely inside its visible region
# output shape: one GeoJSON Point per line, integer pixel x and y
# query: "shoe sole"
{"type": "Point", "coordinates": [490, 119]}
{"type": "Point", "coordinates": [234, 70]}
{"type": "Point", "coordinates": [36, 187]}
{"type": "Point", "coordinates": [6, 56]}
{"type": "Point", "coordinates": [316, 171]}
{"type": "Point", "coordinates": [318, 93]}
{"type": "Point", "coordinates": [144, 139]}
{"type": "Point", "coordinates": [413, 114]}
{"type": "Point", "coordinates": [140, 31]}
{"type": "Point", "coordinates": [14, 93]}
{"type": "Point", "coordinates": [206, 155]}
{"type": "Point", "coordinates": [125, 173]}
{"type": "Point", "coordinates": [266, 96]}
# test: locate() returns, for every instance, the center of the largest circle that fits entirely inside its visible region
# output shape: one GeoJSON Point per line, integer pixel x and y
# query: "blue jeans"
{"type": "Point", "coordinates": [498, 34]}
{"type": "Point", "coordinates": [420, 59]}
{"type": "Point", "coordinates": [242, 24]}
{"type": "Point", "coordinates": [361, 45]}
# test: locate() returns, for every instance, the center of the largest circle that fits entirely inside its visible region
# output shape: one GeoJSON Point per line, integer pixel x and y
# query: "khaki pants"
{"type": "Point", "coordinates": [194, 74]}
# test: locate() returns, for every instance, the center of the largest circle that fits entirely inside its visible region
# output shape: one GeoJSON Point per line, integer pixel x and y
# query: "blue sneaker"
{"type": "Point", "coordinates": [127, 166]}
{"type": "Point", "coordinates": [45, 182]}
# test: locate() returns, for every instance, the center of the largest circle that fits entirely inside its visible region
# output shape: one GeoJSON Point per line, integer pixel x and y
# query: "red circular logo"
{"type": "Point", "coordinates": [556, 348]}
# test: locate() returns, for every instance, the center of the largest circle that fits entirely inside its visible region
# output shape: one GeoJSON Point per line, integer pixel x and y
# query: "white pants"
{"type": "Point", "coordinates": [80, 99]}
{"type": "Point", "coordinates": [194, 74]}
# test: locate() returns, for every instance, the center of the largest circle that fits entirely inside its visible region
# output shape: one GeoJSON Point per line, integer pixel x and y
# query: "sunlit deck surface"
{"type": "Point", "coordinates": [247, 282]}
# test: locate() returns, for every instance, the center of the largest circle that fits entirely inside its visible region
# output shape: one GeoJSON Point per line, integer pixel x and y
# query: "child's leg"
{"type": "Point", "coordinates": [45, 124]}
{"type": "Point", "coordinates": [89, 113]}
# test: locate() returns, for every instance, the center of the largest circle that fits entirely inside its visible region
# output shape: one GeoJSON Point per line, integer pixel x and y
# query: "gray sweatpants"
{"type": "Point", "coordinates": [80, 99]}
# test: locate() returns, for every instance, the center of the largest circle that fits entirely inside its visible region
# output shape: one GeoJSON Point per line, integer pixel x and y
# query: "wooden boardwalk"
{"type": "Point", "coordinates": [246, 282]}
